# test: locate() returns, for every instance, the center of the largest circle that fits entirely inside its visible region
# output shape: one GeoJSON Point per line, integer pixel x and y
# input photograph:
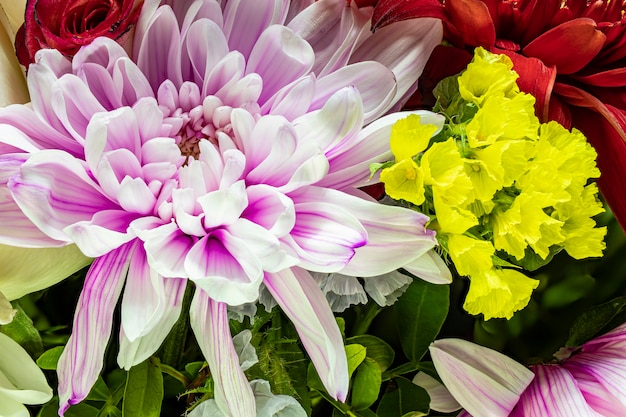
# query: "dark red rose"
{"type": "Point", "coordinates": [66, 25]}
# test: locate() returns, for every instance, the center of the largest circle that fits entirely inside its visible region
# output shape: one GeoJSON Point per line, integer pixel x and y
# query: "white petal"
{"type": "Point", "coordinates": [485, 382]}
{"type": "Point", "coordinates": [21, 380]}
{"type": "Point", "coordinates": [300, 298]}
{"type": "Point", "coordinates": [209, 321]}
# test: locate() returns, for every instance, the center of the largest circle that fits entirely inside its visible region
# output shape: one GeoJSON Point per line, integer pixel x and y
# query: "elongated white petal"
{"type": "Point", "coordinates": [485, 382]}
{"type": "Point", "coordinates": [81, 361]}
{"type": "Point", "coordinates": [209, 321]}
{"type": "Point", "coordinates": [440, 398]}
{"type": "Point", "coordinates": [299, 296]}
{"type": "Point", "coordinates": [25, 270]}
{"type": "Point", "coordinates": [403, 47]}
{"type": "Point", "coordinates": [134, 352]}
{"type": "Point", "coordinates": [431, 268]}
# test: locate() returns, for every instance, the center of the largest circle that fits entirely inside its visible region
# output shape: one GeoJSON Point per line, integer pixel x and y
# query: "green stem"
{"type": "Point", "coordinates": [173, 347]}
{"type": "Point", "coordinates": [166, 369]}
{"type": "Point", "coordinates": [365, 316]}
{"type": "Point", "coordinates": [400, 370]}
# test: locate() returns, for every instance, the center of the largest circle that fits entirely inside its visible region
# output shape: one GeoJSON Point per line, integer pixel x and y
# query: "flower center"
{"type": "Point", "coordinates": [196, 119]}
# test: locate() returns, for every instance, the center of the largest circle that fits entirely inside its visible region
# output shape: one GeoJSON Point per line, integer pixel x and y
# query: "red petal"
{"type": "Point", "coordinates": [390, 11]}
{"type": "Point", "coordinates": [570, 46]}
{"type": "Point", "coordinates": [611, 78]}
{"type": "Point", "coordinates": [534, 78]}
{"type": "Point", "coordinates": [472, 21]}
{"type": "Point", "coordinates": [605, 128]}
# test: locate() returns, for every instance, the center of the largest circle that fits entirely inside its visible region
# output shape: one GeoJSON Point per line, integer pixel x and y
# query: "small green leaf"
{"type": "Point", "coordinates": [408, 398]}
{"type": "Point", "coordinates": [144, 391]}
{"type": "Point", "coordinates": [49, 359]}
{"type": "Point", "coordinates": [366, 385]}
{"type": "Point", "coordinates": [194, 367]}
{"type": "Point", "coordinates": [377, 349]}
{"type": "Point", "coordinates": [22, 330]}
{"type": "Point", "coordinates": [594, 320]}
{"type": "Point", "coordinates": [420, 314]}
{"type": "Point", "coordinates": [356, 354]}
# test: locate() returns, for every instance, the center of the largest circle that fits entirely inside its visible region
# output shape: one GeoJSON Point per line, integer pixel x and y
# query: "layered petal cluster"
{"type": "Point", "coordinates": [226, 151]}
{"type": "Point", "coordinates": [569, 54]}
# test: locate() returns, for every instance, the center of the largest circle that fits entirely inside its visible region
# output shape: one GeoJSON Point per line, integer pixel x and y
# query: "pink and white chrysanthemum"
{"type": "Point", "coordinates": [226, 151]}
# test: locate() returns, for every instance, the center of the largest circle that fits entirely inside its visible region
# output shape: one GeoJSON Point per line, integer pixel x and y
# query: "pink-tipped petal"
{"type": "Point", "coordinates": [209, 321]}
{"type": "Point", "coordinates": [82, 359]}
{"type": "Point", "coordinates": [301, 299]}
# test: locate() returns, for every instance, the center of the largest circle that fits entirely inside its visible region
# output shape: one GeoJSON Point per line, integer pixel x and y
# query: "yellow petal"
{"type": "Point", "coordinates": [470, 256]}
{"type": "Point", "coordinates": [12, 79]}
{"type": "Point", "coordinates": [499, 293]}
{"type": "Point", "coordinates": [409, 137]}
{"type": "Point", "coordinates": [23, 270]}
{"type": "Point", "coordinates": [404, 181]}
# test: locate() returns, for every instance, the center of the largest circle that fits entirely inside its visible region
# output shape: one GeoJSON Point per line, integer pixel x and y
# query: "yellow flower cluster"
{"type": "Point", "coordinates": [504, 190]}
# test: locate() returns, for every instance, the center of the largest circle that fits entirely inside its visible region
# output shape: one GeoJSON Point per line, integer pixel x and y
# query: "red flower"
{"type": "Point", "coordinates": [570, 54]}
{"type": "Point", "coordinates": [66, 25]}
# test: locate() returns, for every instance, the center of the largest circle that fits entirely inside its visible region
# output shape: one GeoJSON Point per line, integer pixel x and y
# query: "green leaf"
{"type": "Point", "coordinates": [446, 91]}
{"type": "Point", "coordinates": [377, 349]}
{"type": "Point", "coordinates": [566, 292]}
{"type": "Point", "coordinates": [100, 391]}
{"type": "Point", "coordinates": [144, 391]}
{"type": "Point", "coordinates": [591, 322]}
{"type": "Point", "coordinates": [420, 314]}
{"type": "Point", "coordinates": [407, 399]}
{"type": "Point", "coordinates": [366, 385]}
{"type": "Point", "coordinates": [22, 330]}
{"type": "Point", "coordinates": [49, 359]}
{"type": "Point", "coordinates": [356, 354]}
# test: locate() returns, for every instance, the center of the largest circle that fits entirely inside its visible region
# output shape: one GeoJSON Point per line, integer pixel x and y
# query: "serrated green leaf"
{"type": "Point", "coordinates": [591, 322]}
{"type": "Point", "coordinates": [366, 385]}
{"type": "Point", "coordinates": [193, 368]}
{"type": "Point", "coordinates": [408, 398]}
{"type": "Point", "coordinates": [356, 354]}
{"type": "Point", "coordinates": [420, 313]}
{"type": "Point", "coordinates": [49, 359]}
{"type": "Point", "coordinates": [377, 349]}
{"type": "Point", "coordinates": [144, 391]}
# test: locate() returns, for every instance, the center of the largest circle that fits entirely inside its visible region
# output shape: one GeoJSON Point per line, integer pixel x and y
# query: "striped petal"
{"type": "Point", "coordinates": [82, 359]}
{"type": "Point", "coordinates": [209, 321]}
{"type": "Point", "coordinates": [484, 381]}
{"type": "Point", "coordinates": [301, 299]}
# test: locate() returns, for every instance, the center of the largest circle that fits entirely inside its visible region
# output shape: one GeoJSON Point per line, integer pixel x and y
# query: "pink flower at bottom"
{"type": "Point", "coordinates": [227, 152]}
